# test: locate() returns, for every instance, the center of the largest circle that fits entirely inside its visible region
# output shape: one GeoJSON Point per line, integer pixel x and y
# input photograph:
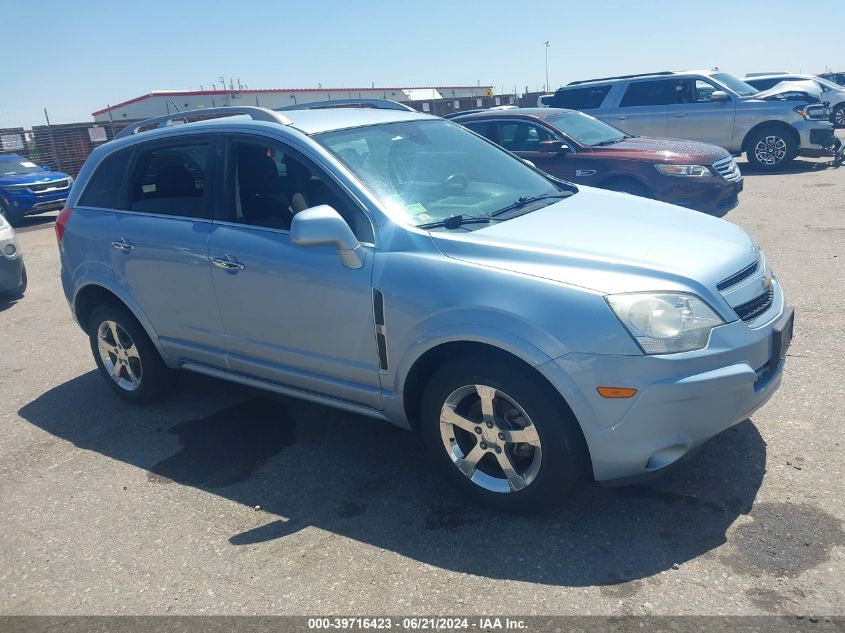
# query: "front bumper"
{"type": "Point", "coordinates": [711, 195]}
{"type": "Point", "coordinates": [11, 274]}
{"type": "Point", "coordinates": [25, 203]}
{"type": "Point", "coordinates": [815, 136]}
{"type": "Point", "coordinates": [682, 401]}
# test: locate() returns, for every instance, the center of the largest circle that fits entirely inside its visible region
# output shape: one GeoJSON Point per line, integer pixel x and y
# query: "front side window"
{"type": "Point", "coordinates": [170, 180]}
{"type": "Point", "coordinates": [428, 171]}
{"type": "Point", "coordinates": [586, 130]}
{"type": "Point", "coordinates": [268, 185]}
{"type": "Point", "coordinates": [650, 93]}
{"type": "Point", "coordinates": [521, 136]}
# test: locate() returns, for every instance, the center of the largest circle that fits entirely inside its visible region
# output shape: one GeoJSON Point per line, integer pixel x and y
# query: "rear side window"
{"type": "Point", "coordinates": [104, 187]}
{"type": "Point", "coordinates": [171, 180]}
{"type": "Point", "coordinates": [586, 98]}
{"type": "Point", "coordinates": [487, 129]}
{"type": "Point", "coordinates": [645, 93]}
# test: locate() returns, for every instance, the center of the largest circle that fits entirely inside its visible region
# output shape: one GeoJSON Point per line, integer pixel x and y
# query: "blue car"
{"type": "Point", "coordinates": [29, 189]}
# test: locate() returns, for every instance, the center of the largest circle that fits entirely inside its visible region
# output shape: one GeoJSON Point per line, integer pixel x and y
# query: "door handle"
{"type": "Point", "coordinates": [123, 245]}
{"type": "Point", "coordinates": [679, 115]}
{"type": "Point", "coordinates": [227, 264]}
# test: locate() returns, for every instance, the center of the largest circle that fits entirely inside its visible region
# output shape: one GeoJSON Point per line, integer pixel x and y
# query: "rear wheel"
{"type": "Point", "coordinates": [770, 149]}
{"type": "Point", "coordinates": [501, 435]}
{"type": "Point", "coordinates": [126, 357]}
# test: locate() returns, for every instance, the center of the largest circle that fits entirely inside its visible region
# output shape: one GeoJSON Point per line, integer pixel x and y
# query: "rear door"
{"type": "Point", "coordinates": [696, 117]}
{"type": "Point", "coordinates": [293, 315]}
{"type": "Point", "coordinates": [643, 109]}
{"type": "Point", "coordinates": [159, 244]}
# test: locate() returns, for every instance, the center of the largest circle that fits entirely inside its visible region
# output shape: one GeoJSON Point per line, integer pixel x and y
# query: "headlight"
{"type": "Point", "coordinates": [684, 170]}
{"type": "Point", "coordinates": [665, 323]}
{"type": "Point", "coordinates": [813, 112]}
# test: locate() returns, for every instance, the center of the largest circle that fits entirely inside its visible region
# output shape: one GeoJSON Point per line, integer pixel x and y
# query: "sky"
{"type": "Point", "coordinates": [75, 57]}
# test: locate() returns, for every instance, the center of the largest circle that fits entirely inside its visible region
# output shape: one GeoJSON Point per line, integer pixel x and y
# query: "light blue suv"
{"type": "Point", "coordinates": [399, 266]}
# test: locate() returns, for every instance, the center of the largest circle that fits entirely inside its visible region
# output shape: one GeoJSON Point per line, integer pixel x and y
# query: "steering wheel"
{"type": "Point", "coordinates": [457, 181]}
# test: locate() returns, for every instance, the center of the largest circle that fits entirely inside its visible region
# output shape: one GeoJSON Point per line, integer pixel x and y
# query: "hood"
{"type": "Point", "coordinates": [27, 179]}
{"type": "Point", "coordinates": [791, 90]}
{"type": "Point", "coordinates": [663, 150]}
{"type": "Point", "coordinates": [610, 242]}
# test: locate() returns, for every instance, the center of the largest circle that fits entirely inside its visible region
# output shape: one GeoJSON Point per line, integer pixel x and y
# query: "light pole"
{"type": "Point", "coordinates": [547, 66]}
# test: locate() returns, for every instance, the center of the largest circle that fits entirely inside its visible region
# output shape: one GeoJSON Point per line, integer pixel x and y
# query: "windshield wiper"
{"type": "Point", "coordinates": [455, 221]}
{"type": "Point", "coordinates": [610, 141]}
{"type": "Point", "coordinates": [524, 200]}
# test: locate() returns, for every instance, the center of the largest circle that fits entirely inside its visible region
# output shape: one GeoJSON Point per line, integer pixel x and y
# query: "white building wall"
{"type": "Point", "coordinates": [159, 103]}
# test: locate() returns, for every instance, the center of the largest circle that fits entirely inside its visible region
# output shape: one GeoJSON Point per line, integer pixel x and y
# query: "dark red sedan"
{"type": "Point", "coordinates": [579, 148]}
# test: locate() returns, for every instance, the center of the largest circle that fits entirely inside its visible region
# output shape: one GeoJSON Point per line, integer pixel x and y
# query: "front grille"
{"type": "Point", "coordinates": [734, 279]}
{"type": "Point", "coordinates": [750, 310]}
{"type": "Point", "coordinates": [727, 168]}
{"type": "Point", "coordinates": [54, 185]}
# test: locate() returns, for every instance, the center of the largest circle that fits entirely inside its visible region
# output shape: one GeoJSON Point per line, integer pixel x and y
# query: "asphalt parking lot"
{"type": "Point", "coordinates": [224, 501]}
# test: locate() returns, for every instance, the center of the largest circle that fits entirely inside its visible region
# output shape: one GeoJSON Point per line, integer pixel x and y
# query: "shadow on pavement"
{"type": "Point", "coordinates": [365, 480]}
{"type": "Point", "coordinates": [797, 166]}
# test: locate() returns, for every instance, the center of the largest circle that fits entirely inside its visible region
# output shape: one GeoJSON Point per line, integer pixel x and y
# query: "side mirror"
{"type": "Point", "coordinates": [553, 146]}
{"type": "Point", "coordinates": [720, 95]}
{"type": "Point", "coordinates": [323, 226]}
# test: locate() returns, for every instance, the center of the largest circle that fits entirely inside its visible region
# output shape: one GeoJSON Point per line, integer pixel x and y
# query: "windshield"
{"type": "Point", "coordinates": [585, 129]}
{"type": "Point", "coordinates": [13, 166]}
{"type": "Point", "coordinates": [827, 85]}
{"type": "Point", "coordinates": [428, 171]}
{"type": "Point", "coordinates": [739, 87]}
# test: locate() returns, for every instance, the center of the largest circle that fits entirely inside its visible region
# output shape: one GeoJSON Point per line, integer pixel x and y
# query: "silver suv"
{"type": "Point", "coordinates": [397, 265]}
{"type": "Point", "coordinates": [771, 127]}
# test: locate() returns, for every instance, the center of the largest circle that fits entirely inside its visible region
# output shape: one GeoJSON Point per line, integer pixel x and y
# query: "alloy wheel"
{"type": "Point", "coordinates": [839, 117]}
{"type": "Point", "coordinates": [490, 438]}
{"type": "Point", "coordinates": [119, 355]}
{"type": "Point", "coordinates": [770, 150]}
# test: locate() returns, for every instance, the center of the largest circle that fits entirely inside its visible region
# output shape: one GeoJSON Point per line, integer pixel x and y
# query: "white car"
{"type": "Point", "coordinates": [832, 93]}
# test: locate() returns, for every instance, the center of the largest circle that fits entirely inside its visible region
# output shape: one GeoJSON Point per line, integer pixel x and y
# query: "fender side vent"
{"type": "Point", "coordinates": [381, 330]}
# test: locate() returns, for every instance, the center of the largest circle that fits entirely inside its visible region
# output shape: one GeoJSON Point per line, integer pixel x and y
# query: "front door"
{"type": "Point", "coordinates": [292, 315]}
{"type": "Point", "coordinates": [698, 118]}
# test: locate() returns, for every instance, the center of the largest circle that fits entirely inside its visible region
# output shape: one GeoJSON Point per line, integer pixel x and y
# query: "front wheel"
{"type": "Point", "coordinates": [126, 357]}
{"type": "Point", "coordinates": [838, 116]}
{"type": "Point", "coordinates": [770, 149]}
{"type": "Point", "coordinates": [501, 434]}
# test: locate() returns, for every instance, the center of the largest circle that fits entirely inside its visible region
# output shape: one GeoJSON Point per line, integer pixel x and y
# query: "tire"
{"type": "Point", "coordinates": [838, 116]}
{"type": "Point", "coordinates": [17, 293]}
{"type": "Point", "coordinates": [770, 149]}
{"type": "Point", "coordinates": [545, 466]}
{"type": "Point", "coordinates": [126, 357]}
{"type": "Point", "coordinates": [629, 186]}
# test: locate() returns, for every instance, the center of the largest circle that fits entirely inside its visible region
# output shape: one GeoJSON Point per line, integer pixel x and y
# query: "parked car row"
{"type": "Point", "coordinates": [400, 266]}
{"type": "Point", "coordinates": [771, 127]}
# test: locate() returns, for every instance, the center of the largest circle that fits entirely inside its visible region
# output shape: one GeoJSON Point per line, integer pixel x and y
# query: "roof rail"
{"type": "Point", "coordinates": [377, 104]}
{"type": "Point", "coordinates": [586, 81]}
{"type": "Point", "coordinates": [257, 114]}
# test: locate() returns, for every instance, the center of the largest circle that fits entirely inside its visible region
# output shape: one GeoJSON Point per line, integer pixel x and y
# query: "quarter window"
{"type": "Point", "coordinates": [170, 180]}
{"type": "Point", "coordinates": [104, 188]}
{"type": "Point", "coordinates": [586, 98]}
